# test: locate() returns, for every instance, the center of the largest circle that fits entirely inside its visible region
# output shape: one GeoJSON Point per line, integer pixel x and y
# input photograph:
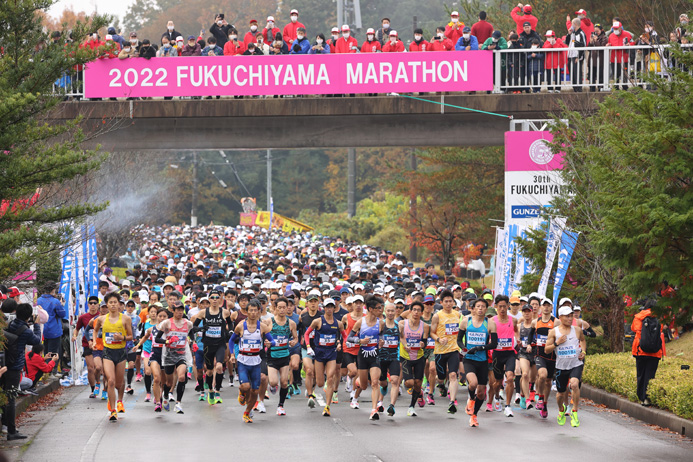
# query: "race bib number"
{"type": "Point", "coordinates": [541, 340]}
{"type": "Point", "coordinates": [524, 340]}
{"type": "Point", "coordinates": [281, 340]}
{"type": "Point", "coordinates": [327, 340]}
{"type": "Point", "coordinates": [566, 351]}
{"type": "Point", "coordinates": [214, 332]}
{"type": "Point", "coordinates": [413, 344]}
{"type": "Point", "coordinates": [372, 342]}
{"type": "Point", "coordinates": [390, 341]}
{"type": "Point", "coordinates": [351, 345]}
{"type": "Point", "coordinates": [430, 343]}
{"type": "Point", "coordinates": [452, 328]}
{"type": "Point", "coordinates": [179, 342]}
{"type": "Point", "coordinates": [109, 338]}
{"type": "Point", "coordinates": [505, 343]}
{"type": "Point", "coordinates": [476, 339]}
{"type": "Point", "coordinates": [250, 346]}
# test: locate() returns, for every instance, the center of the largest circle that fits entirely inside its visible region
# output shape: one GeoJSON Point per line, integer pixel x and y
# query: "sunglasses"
{"type": "Point", "coordinates": [514, 304]}
{"type": "Point", "coordinates": [216, 297]}
{"type": "Point", "coordinates": [93, 303]}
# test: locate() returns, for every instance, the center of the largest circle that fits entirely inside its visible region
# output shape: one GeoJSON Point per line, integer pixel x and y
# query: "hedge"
{"type": "Point", "coordinates": [671, 389]}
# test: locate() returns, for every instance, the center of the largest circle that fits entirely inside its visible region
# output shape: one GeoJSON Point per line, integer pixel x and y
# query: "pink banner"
{"type": "Point", "coordinates": [528, 151]}
{"type": "Point", "coordinates": [290, 74]}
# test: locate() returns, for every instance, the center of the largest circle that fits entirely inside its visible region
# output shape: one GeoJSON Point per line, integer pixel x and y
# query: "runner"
{"type": "Point", "coordinates": [154, 359]}
{"type": "Point", "coordinates": [546, 360]}
{"type": "Point", "coordinates": [93, 372]}
{"type": "Point", "coordinates": [328, 332]}
{"type": "Point", "coordinates": [117, 330]}
{"type": "Point", "coordinates": [430, 374]}
{"type": "Point", "coordinates": [130, 306]}
{"type": "Point", "coordinates": [96, 345]}
{"type": "Point", "coordinates": [504, 355]}
{"type": "Point", "coordinates": [176, 330]}
{"type": "Point", "coordinates": [444, 329]}
{"type": "Point", "coordinates": [278, 359]}
{"type": "Point", "coordinates": [413, 334]}
{"type": "Point", "coordinates": [351, 349]}
{"type": "Point", "coordinates": [480, 337]}
{"type": "Point", "coordinates": [367, 332]}
{"type": "Point", "coordinates": [309, 315]}
{"type": "Point", "coordinates": [249, 334]}
{"type": "Point", "coordinates": [389, 360]}
{"type": "Point", "coordinates": [527, 354]}
{"type": "Point", "coordinates": [570, 346]}
{"type": "Point", "coordinates": [295, 352]}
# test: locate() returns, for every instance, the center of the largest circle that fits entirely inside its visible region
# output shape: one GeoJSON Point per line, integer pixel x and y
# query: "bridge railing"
{"type": "Point", "coordinates": [534, 70]}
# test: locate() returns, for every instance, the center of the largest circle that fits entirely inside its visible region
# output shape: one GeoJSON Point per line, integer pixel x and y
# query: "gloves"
{"type": "Point", "coordinates": [195, 348]}
{"type": "Point", "coordinates": [473, 350]}
{"type": "Point", "coordinates": [310, 351]}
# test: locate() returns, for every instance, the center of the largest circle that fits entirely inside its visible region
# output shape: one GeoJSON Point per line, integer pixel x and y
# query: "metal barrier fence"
{"type": "Point", "coordinates": [533, 70]}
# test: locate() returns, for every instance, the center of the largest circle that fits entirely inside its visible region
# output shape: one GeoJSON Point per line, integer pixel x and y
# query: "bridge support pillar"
{"type": "Point", "coordinates": [351, 183]}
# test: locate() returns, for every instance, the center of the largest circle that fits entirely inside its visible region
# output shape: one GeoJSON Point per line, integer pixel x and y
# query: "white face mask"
{"type": "Point", "coordinates": [335, 36]}
{"type": "Point", "coordinates": [386, 25]}
{"type": "Point", "coordinates": [294, 18]}
{"type": "Point", "coordinates": [233, 37]}
{"type": "Point", "coordinates": [393, 39]}
{"type": "Point", "coordinates": [253, 28]}
{"type": "Point", "coordinates": [454, 20]}
{"type": "Point", "coordinates": [370, 37]}
{"type": "Point", "coordinates": [495, 40]}
{"type": "Point", "coordinates": [126, 49]}
{"type": "Point", "coordinates": [270, 25]}
{"type": "Point", "coordinates": [133, 41]}
{"type": "Point", "coordinates": [345, 35]}
{"type": "Point", "coordinates": [535, 46]}
{"type": "Point", "coordinates": [617, 32]}
{"type": "Point", "coordinates": [441, 34]}
{"type": "Point", "coordinates": [166, 45]}
{"type": "Point", "coordinates": [466, 36]}
{"type": "Point", "coordinates": [648, 29]}
{"type": "Point", "coordinates": [170, 27]}
{"type": "Point", "coordinates": [300, 37]}
{"type": "Point", "coordinates": [318, 41]}
{"type": "Point", "coordinates": [417, 37]}
{"type": "Point", "coordinates": [552, 41]}
{"type": "Point", "coordinates": [219, 23]}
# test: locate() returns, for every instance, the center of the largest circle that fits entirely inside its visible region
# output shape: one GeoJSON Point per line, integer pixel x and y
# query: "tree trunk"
{"type": "Point", "coordinates": [615, 320]}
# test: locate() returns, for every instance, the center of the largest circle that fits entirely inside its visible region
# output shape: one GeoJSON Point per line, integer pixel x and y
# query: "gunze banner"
{"type": "Point", "coordinates": [290, 74]}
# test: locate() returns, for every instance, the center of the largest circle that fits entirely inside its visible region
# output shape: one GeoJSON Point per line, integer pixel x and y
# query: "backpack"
{"type": "Point", "coordinates": [650, 336]}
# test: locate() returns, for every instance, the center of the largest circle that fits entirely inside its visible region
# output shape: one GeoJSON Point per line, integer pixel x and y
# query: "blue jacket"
{"type": "Point", "coordinates": [218, 51]}
{"type": "Point", "coordinates": [303, 44]}
{"type": "Point", "coordinates": [54, 327]}
{"type": "Point", "coordinates": [325, 50]}
{"type": "Point", "coordinates": [15, 354]}
{"type": "Point", "coordinates": [460, 46]}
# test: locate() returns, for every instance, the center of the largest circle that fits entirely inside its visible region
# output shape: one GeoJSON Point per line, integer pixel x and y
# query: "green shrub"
{"type": "Point", "coordinates": [671, 389]}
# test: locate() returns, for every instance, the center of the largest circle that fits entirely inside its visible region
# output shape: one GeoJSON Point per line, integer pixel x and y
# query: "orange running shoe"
{"type": "Point", "coordinates": [120, 407]}
{"type": "Point", "coordinates": [108, 405]}
{"type": "Point", "coordinates": [470, 406]}
{"type": "Point", "coordinates": [473, 422]}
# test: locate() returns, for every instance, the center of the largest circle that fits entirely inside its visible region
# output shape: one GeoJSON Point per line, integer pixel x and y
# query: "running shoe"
{"type": "Point", "coordinates": [303, 373]}
{"type": "Point", "coordinates": [210, 397]}
{"type": "Point", "coordinates": [104, 394]}
{"type": "Point", "coordinates": [92, 395]}
{"type": "Point", "coordinates": [502, 393]}
{"type": "Point", "coordinates": [508, 412]}
{"type": "Point", "coordinates": [473, 421]}
{"type": "Point", "coordinates": [391, 410]}
{"type": "Point", "coordinates": [561, 418]}
{"type": "Point", "coordinates": [241, 398]}
{"type": "Point", "coordinates": [157, 408]}
{"type": "Point", "coordinates": [202, 396]}
{"type": "Point", "coordinates": [470, 406]}
{"type": "Point", "coordinates": [273, 390]}
{"type": "Point", "coordinates": [497, 406]}
{"type": "Point", "coordinates": [348, 387]}
{"type": "Point", "coordinates": [489, 407]}
{"type": "Point", "coordinates": [544, 413]}
{"type": "Point", "coordinates": [430, 400]}
{"type": "Point", "coordinates": [97, 389]}
{"type": "Point", "coordinates": [383, 391]}
{"type": "Point", "coordinates": [326, 411]}
{"type": "Point", "coordinates": [280, 410]}
{"type": "Point", "coordinates": [189, 375]}
{"type": "Point", "coordinates": [335, 398]}
{"type": "Point", "coordinates": [374, 415]}
{"type": "Point", "coordinates": [311, 401]}
{"type": "Point", "coordinates": [120, 407]}
{"type": "Point", "coordinates": [380, 407]}
{"type": "Point", "coordinates": [178, 409]}
{"type": "Point", "coordinates": [523, 403]}
{"type": "Point", "coordinates": [247, 418]}
{"type": "Point", "coordinates": [428, 389]}
{"type": "Point", "coordinates": [354, 404]}
{"type": "Point", "coordinates": [532, 395]}
{"type": "Point", "coordinates": [421, 401]}
{"type": "Point", "coordinates": [540, 405]}
{"type": "Point", "coordinates": [443, 391]}
{"type": "Point", "coordinates": [297, 390]}
{"type": "Point", "coordinates": [166, 406]}
{"type": "Point", "coordinates": [138, 378]}
{"type": "Point", "coordinates": [261, 407]}
{"type": "Point", "coordinates": [530, 404]}
{"type": "Point", "coordinates": [148, 398]}
{"type": "Point", "coordinates": [129, 390]}
{"type": "Point", "coordinates": [411, 412]}
{"type": "Point", "coordinates": [114, 416]}
{"type": "Point", "coordinates": [452, 409]}
{"type": "Point", "coordinates": [217, 398]}
{"type": "Point", "coordinates": [108, 406]}
{"type": "Point", "coordinates": [518, 398]}
{"type": "Point", "coordinates": [170, 396]}
{"type": "Point", "coordinates": [574, 421]}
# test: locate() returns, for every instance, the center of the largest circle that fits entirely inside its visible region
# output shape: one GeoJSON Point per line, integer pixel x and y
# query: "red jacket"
{"type": "Point", "coordinates": [398, 47]}
{"type": "Point", "coordinates": [482, 30]}
{"type": "Point", "coordinates": [344, 46]}
{"type": "Point", "coordinates": [442, 45]}
{"type": "Point", "coordinates": [36, 363]}
{"type": "Point", "coordinates": [586, 26]}
{"type": "Point", "coordinates": [555, 59]}
{"type": "Point", "coordinates": [370, 47]}
{"type": "Point", "coordinates": [636, 327]}
{"type": "Point", "coordinates": [520, 19]}
{"type": "Point", "coordinates": [454, 31]}
{"type": "Point", "coordinates": [618, 41]}
{"type": "Point", "coordinates": [275, 31]}
{"type": "Point", "coordinates": [423, 45]}
{"type": "Point", "coordinates": [230, 49]}
{"type": "Point", "coordinates": [289, 34]}
{"type": "Point", "coordinates": [249, 38]}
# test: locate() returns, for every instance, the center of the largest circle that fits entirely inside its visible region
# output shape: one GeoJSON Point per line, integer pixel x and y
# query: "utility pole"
{"type": "Point", "coordinates": [351, 183]}
{"type": "Point", "coordinates": [193, 210]}
{"type": "Point", "coordinates": [412, 208]}
{"type": "Point", "coordinates": [269, 179]}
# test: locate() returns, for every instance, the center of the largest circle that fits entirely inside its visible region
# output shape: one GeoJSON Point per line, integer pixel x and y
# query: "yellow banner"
{"type": "Point", "coordinates": [281, 222]}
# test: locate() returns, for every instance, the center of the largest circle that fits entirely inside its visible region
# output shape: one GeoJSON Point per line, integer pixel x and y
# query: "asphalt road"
{"type": "Point", "coordinates": [78, 430]}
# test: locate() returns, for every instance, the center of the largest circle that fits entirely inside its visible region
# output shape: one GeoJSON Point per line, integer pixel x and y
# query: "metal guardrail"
{"type": "Point", "coordinates": [533, 70]}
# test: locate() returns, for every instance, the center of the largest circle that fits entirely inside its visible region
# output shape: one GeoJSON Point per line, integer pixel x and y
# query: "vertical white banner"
{"type": "Point", "coordinates": [552, 242]}
{"type": "Point", "coordinates": [501, 255]}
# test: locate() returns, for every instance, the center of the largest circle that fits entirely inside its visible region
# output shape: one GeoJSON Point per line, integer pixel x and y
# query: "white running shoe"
{"type": "Point", "coordinates": [170, 396]}
{"type": "Point", "coordinates": [280, 411]}
{"type": "Point", "coordinates": [354, 404]}
{"type": "Point", "coordinates": [348, 387]}
{"type": "Point", "coordinates": [273, 390]}
{"type": "Point", "coordinates": [411, 412]}
{"type": "Point", "coordinates": [261, 407]}
{"type": "Point", "coordinates": [518, 398]}
{"type": "Point", "coordinates": [352, 394]}
{"type": "Point", "coordinates": [502, 393]}
{"type": "Point", "coordinates": [497, 406]}
{"type": "Point", "coordinates": [508, 411]}
{"type": "Point", "coordinates": [178, 409]}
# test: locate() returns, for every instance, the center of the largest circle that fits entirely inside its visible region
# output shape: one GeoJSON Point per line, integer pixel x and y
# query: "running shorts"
{"type": "Point", "coordinates": [563, 376]}
{"type": "Point", "coordinates": [503, 361]}
{"type": "Point", "coordinates": [348, 358]}
{"type": "Point", "coordinates": [449, 361]}
{"type": "Point", "coordinates": [212, 352]}
{"type": "Point", "coordinates": [278, 363]}
{"type": "Point", "coordinates": [249, 374]}
{"type": "Point", "coordinates": [367, 362]}
{"type": "Point", "coordinates": [117, 355]}
{"type": "Point", "coordinates": [170, 369]}
{"type": "Point", "coordinates": [413, 369]}
{"type": "Point", "coordinates": [550, 366]}
{"type": "Point", "coordinates": [391, 367]}
{"type": "Point", "coordinates": [478, 368]}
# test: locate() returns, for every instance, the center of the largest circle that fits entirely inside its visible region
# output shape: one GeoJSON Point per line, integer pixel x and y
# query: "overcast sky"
{"type": "Point", "coordinates": [114, 7]}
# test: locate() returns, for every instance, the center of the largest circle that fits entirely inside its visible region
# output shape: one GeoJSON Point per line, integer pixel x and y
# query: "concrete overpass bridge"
{"type": "Point", "coordinates": [313, 122]}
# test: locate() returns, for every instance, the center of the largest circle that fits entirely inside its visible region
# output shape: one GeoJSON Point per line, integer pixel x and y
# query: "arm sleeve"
{"type": "Point", "coordinates": [532, 333]}
{"type": "Point", "coordinates": [159, 337]}
{"type": "Point", "coordinates": [353, 337]}
{"type": "Point", "coordinates": [589, 332]}
{"type": "Point", "coordinates": [306, 335]}
{"type": "Point", "coordinates": [460, 338]}
{"type": "Point", "coordinates": [493, 343]}
{"type": "Point", "coordinates": [268, 336]}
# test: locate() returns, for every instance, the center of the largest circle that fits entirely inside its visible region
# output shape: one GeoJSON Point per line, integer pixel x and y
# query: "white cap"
{"type": "Point", "coordinates": [270, 18]}
{"type": "Point", "coordinates": [358, 298]}
{"type": "Point", "coordinates": [335, 29]}
{"type": "Point", "coordinates": [349, 300]}
{"type": "Point", "coordinates": [454, 13]}
{"type": "Point", "coordinates": [370, 31]}
{"type": "Point", "coordinates": [546, 300]}
{"type": "Point", "coordinates": [328, 301]}
{"type": "Point", "coordinates": [345, 27]}
{"type": "Point", "coordinates": [565, 311]}
{"type": "Point", "coordinates": [393, 33]}
{"type": "Point", "coordinates": [294, 11]}
{"type": "Point", "coordinates": [565, 300]}
{"type": "Point", "coordinates": [399, 300]}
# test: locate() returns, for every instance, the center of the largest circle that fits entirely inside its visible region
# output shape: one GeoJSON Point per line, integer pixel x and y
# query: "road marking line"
{"type": "Point", "coordinates": [344, 431]}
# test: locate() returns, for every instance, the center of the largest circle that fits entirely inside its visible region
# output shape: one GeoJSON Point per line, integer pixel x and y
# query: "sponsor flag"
{"type": "Point", "coordinates": [568, 242]}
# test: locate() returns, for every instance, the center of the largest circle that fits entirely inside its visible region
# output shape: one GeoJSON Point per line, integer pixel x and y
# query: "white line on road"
{"type": "Point", "coordinates": [343, 430]}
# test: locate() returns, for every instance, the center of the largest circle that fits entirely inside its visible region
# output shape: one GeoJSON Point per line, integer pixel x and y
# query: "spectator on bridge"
{"type": "Point", "coordinates": [371, 45]}
{"type": "Point", "coordinates": [440, 42]}
{"type": "Point", "coordinates": [233, 46]}
{"type": "Point", "coordinates": [270, 32]}
{"type": "Point", "coordinates": [171, 33]}
{"type": "Point", "coordinates": [535, 65]}
{"type": "Point", "coordinates": [147, 51]}
{"type": "Point", "coordinates": [495, 42]}
{"type": "Point", "coordinates": [576, 39]}
{"type": "Point", "coordinates": [116, 38]}
{"type": "Point", "coordinates": [178, 46]}
{"type": "Point", "coordinates": [220, 30]}
{"type": "Point", "coordinates": [252, 50]}
{"type": "Point", "coordinates": [280, 44]}
{"type": "Point", "coordinates": [528, 35]}
{"type": "Point", "coordinates": [212, 49]}
{"type": "Point", "coordinates": [128, 51]}
{"type": "Point", "coordinates": [454, 29]}
{"type": "Point", "coordinates": [395, 45]}
{"type": "Point", "coordinates": [382, 35]}
{"type": "Point", "coordinates": [619, 58]}
{"type": "Point", "coordinates": [261, 45]}
{"type": "Point", "coordinates": [93, 42]}
{"type": "Point", "coordinates": [585, 23]}
{"type": "Point", "coordinates": [596, 57]}
{"type": "Point", "coordinates": [526, 16]}
{"type": "Point", "coordinates": [300, 45]}
{"type": "Point", "coordinates": [53, 328]}
{"type": "Point", "coordinates": [419, 44]}
{"type": "Point", "coordinates": [554, 61]}
{"type": "Point", "coordinates": [250, 36]}
{"type": "Point", "coordinates": [467, 42]}
{"type": "Point", "coordinates": [681, 29]}
{"type": "Point", "coordinates": [192, 48]}
{"type": "Point", "coordinates": [515, 65]}
{"type": "Point", "coordinates": [347, 43]}
{"type": "Point", "coordinates": [320, 47]}
{"type": "Point", "coordinates": [290, 32]}
{"type": "Point", "coordinates": [652, 33]}
{"type": "Point", "coordinates": [167, 50]}
{"type": "Point", "coordinates": [482, 29]}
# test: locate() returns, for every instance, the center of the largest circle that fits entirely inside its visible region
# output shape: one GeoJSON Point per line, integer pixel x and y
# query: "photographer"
{"type": "Point", "coordinates": [18, 335]}
{"type": "Point", "coordinates": [36, 365]}
{"type": "Point", "coordinates": [220, 30]}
